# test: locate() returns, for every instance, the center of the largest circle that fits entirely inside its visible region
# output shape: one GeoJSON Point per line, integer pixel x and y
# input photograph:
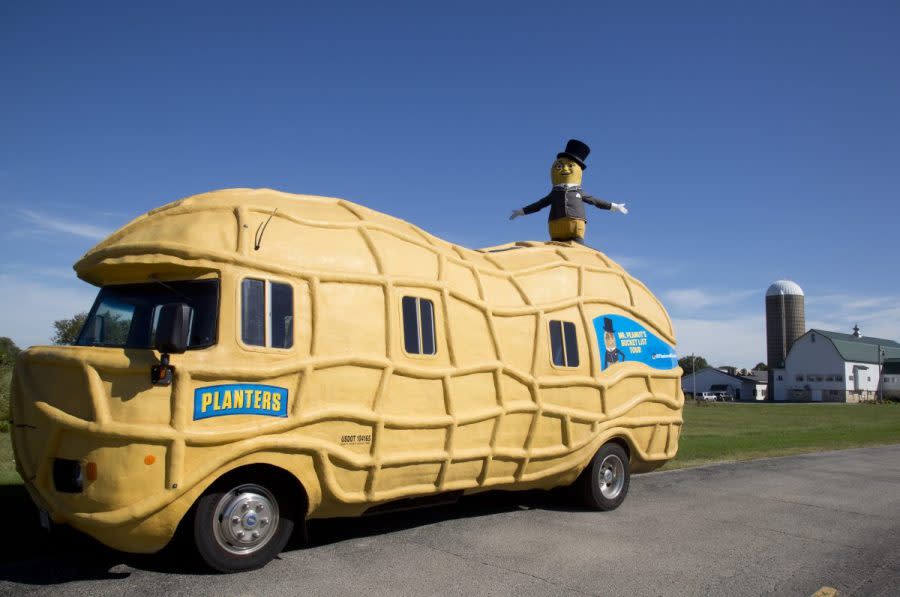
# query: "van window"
{"type": "Point", "coordinates": [282, 315]}
{"type": "Point", "coordinates": [253, 310]}
{"type": "Point", "coordinates": [563, 344]}
{"type": "Point", "coordinates": [418, 325]}
{"type": "Point", "coordinates": [126, 315]}
{"type": "Point", "coordinates": [267, 313]}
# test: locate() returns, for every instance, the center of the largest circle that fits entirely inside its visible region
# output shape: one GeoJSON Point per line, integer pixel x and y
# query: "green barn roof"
{"type": "Point", "coordinates": [862, 349]}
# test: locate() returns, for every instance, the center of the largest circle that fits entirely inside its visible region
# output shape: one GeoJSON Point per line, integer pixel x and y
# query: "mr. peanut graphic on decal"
{"type": "Point", "coordinates": [625, 340]}
{"type": "Point", "coordinates": [612, 354]}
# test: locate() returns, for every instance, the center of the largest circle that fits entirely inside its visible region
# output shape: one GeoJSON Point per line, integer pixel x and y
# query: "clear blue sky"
{"type": "Point", "coordinates": [750, 140]}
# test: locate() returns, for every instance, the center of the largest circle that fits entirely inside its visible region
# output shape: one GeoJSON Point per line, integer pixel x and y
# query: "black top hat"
{"type": "Point", "coordinates": [576, 151]}
{"type": "Point", "coordinates": [607, 325]}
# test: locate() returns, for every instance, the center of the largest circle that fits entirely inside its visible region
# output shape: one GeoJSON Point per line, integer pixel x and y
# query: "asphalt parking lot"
{"type": "Point", "coordinates": [784, 526]}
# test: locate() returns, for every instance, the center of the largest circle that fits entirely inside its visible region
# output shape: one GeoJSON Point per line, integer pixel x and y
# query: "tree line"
{"type": "Point", "coordinates": [692, 363]}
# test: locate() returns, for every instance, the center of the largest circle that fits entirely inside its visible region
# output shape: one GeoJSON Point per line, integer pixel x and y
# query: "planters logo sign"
{"type": "Point", "coordinates": [623, 339]}
{"type": "Point", "coordinates": [240, 399]}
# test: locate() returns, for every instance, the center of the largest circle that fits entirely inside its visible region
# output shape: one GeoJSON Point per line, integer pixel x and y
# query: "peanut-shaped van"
{"type": "Point", "coordinates": [256, 359]}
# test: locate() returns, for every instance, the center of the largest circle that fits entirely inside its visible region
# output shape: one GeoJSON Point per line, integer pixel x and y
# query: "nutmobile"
{"type": "Point", "coordinates": [256, 359]}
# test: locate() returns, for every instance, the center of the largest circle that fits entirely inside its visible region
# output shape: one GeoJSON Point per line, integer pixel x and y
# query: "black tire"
{"type": "Point", "coordinates": [242, 526]}
{"type": "Point", "coordinates": [603, 485]}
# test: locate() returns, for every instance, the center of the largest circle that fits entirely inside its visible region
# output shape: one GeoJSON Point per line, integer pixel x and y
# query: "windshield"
{"type": "Point", "coordinates": [126, 315]}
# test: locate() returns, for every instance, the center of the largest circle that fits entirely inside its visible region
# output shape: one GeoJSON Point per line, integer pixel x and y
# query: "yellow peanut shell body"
{"type": "Point", "coordinates": [365, 421]}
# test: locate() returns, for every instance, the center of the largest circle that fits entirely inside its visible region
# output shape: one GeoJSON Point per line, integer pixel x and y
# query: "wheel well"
{"type": "Point", "coordinates": [278, 477]}
{"type": "Point", "coordinates": [621, 441]}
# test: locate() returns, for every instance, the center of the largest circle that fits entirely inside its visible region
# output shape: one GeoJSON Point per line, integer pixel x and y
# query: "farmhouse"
{"type": "Point", "coordinates": [824, 366]}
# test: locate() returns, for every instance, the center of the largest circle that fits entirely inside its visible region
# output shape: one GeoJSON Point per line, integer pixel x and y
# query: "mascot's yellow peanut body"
{"type": "Point", "coordinates": [349, 354]}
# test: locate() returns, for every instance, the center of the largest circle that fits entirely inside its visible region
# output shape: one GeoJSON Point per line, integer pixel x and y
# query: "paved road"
{"type": "Point", "coordinates": [785, 526]}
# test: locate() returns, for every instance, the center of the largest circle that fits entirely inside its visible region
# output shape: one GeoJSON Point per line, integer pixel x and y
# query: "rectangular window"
{"type": "Point", "coordinates": [800, 377]}
{"type": "Point", "coordinates": [267, 313]}
{"type": "Point", "coordinates": [563, 344]}
{"type": "Point", "coordinates": [282, 310]}
{"type": "Point", "coordinates": [253, 310]}
{"type": "Point", "coordinates": [418, 325]}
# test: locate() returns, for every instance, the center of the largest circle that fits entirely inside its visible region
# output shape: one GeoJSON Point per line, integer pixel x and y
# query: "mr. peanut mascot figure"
{"type": "Point", "coordinates": [566, 199]}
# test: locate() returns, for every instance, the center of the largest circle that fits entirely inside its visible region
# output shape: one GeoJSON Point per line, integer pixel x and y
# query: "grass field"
{"type": "Point", "coordinates": [727, 431]}
{"type": "Point", "coordinates": [724, 431]}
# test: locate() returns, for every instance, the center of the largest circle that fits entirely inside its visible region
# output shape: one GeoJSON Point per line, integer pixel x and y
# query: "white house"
{"type": "Point", "coordinates": [824, 366]}
{"type": "Point", "coordinates": [739, 387]}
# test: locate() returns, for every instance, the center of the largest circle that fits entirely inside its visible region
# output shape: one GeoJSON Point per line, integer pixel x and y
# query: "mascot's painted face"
{"type": "Point", "coordinates": [609, 340]}
{"type": "Point", "coordinates": [565, 171]}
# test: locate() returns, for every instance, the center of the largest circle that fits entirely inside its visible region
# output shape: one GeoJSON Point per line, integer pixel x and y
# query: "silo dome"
{"type": "Point", "coordinates": [782, 287]}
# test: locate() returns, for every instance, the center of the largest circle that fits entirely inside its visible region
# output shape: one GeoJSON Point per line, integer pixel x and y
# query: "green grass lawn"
{"type": "Point", "coordinates": [728, 431]}
{"type": "Point", "coordinates": [724, 431]}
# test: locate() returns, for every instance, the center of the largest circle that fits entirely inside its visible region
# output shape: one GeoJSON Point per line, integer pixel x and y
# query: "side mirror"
{"type": "Point", "coordinates": [172, 328]}
{"type": "Point", "coordinates": [171, 337]}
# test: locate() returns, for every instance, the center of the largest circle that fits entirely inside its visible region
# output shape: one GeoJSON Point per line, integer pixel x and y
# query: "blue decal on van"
{"type": "Point", "coordinates": [240, 399]}
{"type": "Point", "coordinates": [623, 339]}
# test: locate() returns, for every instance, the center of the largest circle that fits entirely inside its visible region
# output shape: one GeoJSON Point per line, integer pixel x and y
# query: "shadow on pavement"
{"type": "Point", "coordinates": [30, 555]}
{"type": "Point", "coordinates": [324, 532]}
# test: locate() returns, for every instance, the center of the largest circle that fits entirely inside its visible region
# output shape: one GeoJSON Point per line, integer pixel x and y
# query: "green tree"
{"type": "Point", "coordinates": [67, 330]}
{"type": "Point", "coordinates": [761, 367]}
{"type": "Point", "coordinates": [688, 363]}
{"type": "Point", "coordinates": [8, 351]}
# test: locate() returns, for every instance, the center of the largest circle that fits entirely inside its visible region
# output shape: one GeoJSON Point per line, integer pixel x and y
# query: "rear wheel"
{"type": "Point", "coordinates": [603, 485]}
{"type": "Point", "coordinates": [242, 526]}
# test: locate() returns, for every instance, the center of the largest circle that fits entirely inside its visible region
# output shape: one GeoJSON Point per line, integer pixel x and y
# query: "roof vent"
{"type": "Point", "coordinates": [856, 333]}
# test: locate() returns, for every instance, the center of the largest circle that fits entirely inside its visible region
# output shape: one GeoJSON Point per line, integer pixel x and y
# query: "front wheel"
{"type": "Point", "coordinates": [603, 485]}
{"type": "Point", "coordinates": [242, 526]}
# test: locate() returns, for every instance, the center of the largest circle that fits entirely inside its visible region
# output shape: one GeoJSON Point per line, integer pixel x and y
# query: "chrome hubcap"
{"type": "Point", "coordinates": [612, 477]}
{"type": "Point", "coordinates": [246, 518]}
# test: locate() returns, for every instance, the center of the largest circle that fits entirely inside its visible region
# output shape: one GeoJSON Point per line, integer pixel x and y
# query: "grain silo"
{"type": "Point", "coordinates": [785, 322]}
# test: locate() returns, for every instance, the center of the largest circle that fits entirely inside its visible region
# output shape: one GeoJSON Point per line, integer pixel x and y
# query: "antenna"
{"type": "Point", "coordinates": [257, 241]}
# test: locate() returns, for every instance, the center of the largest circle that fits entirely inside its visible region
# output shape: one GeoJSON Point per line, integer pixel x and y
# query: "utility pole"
{"type": "Point", "coordinates": [694, 375]}
{"type": "Point", "coordinates": [880, 374]}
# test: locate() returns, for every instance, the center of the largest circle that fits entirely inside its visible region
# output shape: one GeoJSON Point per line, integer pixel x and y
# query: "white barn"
{"type": "Point", "coordinates": [824, 366]}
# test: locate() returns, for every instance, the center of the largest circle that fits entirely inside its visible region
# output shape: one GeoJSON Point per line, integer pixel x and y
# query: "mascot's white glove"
{"type": "Point", "coordinates": [619, 207]}
{"type": "Point", "coordinates": [516, 213]}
